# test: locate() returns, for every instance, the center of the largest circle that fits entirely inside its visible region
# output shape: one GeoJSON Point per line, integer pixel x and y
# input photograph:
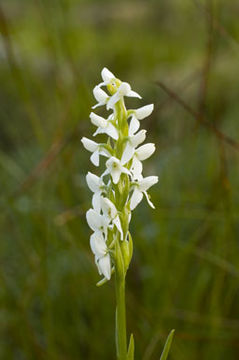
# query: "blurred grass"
{"type": "Point", "coordinates": [185, 269]}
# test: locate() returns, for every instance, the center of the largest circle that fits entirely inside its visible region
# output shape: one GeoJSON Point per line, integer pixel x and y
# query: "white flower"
{"type": "Point", "coordinates": [107, 77]}
{"type": "Point", "coordinates": [132, 143]}
{"type": "Point", "coordinates": [115, 168]}
{"type": "Point", "coordinates": [139, 114]}
{"type": "Point", "coordinates": [97, 186]}
{"type": "Point", "coordinates": [100, 95]}
{"type": "Point", "coordinates": [110, 211]}
{"type": "Point", "coordinates": [142, 153]}
{"type": "Point", "coordinates": [141, 188]}
{"type": "Point", "coordinates": [97, 222]}
{"type": "Point", "coordinates": [102, 256]}
{"type": "Point", "coordinates": [96, 149]}
{"type": "Point", "coordinates": [104, 126]}
{"type": "Point", "coordinates": [123, 90]}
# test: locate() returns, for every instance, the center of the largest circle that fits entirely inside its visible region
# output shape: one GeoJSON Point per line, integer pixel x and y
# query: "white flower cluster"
{"type": "Point", "coordinates": [113, 201]}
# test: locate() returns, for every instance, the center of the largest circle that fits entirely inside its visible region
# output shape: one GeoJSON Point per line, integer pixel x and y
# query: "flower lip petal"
{"type": "Point", "coordinates": [95, 158]}
{"type": "Point", "coordinates": [115, 173]}
{"type": "Point", "coordinates": [136, 197]}
{"type": "Point", "coordinates": [128, 153]}
{"type": "Point", "coordinates": [96, 203]}
{"type": "Point", "coordinates": [133, 125]}
{"type": "Point", "coordinates": [113, 100]}
{"type": "Point", "coordinates": [112, 131]}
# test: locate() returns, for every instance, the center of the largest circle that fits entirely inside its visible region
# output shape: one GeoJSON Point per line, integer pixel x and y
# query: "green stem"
{"type": "Point", "coordinates": [121, 337]}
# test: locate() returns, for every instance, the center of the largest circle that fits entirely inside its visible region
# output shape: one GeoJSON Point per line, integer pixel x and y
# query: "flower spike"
{"type": "Point", "coordinates": [123, 186]}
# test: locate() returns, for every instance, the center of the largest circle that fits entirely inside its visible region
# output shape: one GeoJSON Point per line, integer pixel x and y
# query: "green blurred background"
{"type": "Point", "coordinates": [183, 56]}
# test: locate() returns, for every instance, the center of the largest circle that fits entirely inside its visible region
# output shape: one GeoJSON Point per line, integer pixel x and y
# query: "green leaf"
{"type": "Point", "coordinates": [167, 345]}
{"type": "Point", "coordinates": [130, 354]}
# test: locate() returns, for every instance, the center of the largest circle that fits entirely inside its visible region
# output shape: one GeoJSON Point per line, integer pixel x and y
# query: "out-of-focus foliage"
{"type": "Point", "coordinates": [185, 269]}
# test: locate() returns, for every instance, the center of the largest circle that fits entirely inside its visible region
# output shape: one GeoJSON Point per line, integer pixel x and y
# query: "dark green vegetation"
{"type": "Point", "coordinates": [185, 269]}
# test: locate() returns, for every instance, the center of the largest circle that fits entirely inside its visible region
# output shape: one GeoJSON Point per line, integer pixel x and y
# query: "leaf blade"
{"type": "Point", "coordinates": [167, 345]}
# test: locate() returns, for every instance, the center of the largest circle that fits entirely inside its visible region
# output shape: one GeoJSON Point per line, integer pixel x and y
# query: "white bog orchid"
{"type": "Point", "coordinates": [123, 90]}
{"type": "Point", "coordinates": [96, 149]}
{"type": "Point", "coordinates": [110, 211]}
{"type": "Point", "coordinates": [97, 222]}
{"type": "Point", "coordinates": [104, 126]}
{"type": "Point", "coordinates": [115, 168]}
{"type": "Point", "coordinates": [107, 77]}
{"type": "Point", "coordinates": [113, 202]}
{"type": "Point", "coordinates": [101, 252]}
{"type": "Point", "coordinates": [138, 114]}
{"type": "Point", "coordinates": [100, 96]}
{"type": "Point", "coordinates": [97, 186]}
{"type": "Point", "coordinates": [140, 154]}
{"type": "Point", "coordinates": [140, 187]}
{"type": "Point", "coordinates": [132, 142]}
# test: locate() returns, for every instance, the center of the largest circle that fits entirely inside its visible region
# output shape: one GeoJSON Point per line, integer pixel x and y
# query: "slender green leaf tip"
{"type": "Point", "coordinates": [130, 354]}
{"type": "Point", "coordinates": [167, 345]}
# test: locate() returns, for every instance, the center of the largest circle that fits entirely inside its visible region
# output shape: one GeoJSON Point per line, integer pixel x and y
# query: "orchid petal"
{"type": "Point", "coordinates": [108, 208]}
{"type": "Point", "coordinates": [112, 131]}
{"type": "Point", "coordinates": [97, 244]}
{"type": "Point", "coordinates": [98, 120]}
{"type": "Point", "coordinates": [132, 93]}
{"type": "Point", "coordinates": [117, 223]}
{"type": "Point", "coordinates": [136, 168]}
{"type": "Point", "coordinates": [137, 196]}
{"type": "Point", "coordinates": [100, 95]}
{"type": "Point", "coordinates": [145, 151]}
{"type": "Point", "coordinates": [107, 75]}
{"type": "Point", "coordinates": [104, 266]}
{"type": "Point", "coordinates": [93, 182]}
{"type": "Point", "coordinates": [138, 138]}
{"type": "Point", "coordinates": [89, 145]}
{"type": "Point", "coordinates": [113, 100]}
{"type": "Point", "coordinates": [96, 203]}
{"type": "Point", "coordinates": [144, 111]}
{"type": "Point", "coordinates": [115, 174]}
{"type": "Point", "coordinates": [95, 158]}
{"type": "Point", "coordinates": [134, 125]}
{"type": "Point", "coordinates": [128, 153]}
{"type": "Point", "coordinates": [147, 182]}
{"type": "Point", "coordinates": [96, 221]}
